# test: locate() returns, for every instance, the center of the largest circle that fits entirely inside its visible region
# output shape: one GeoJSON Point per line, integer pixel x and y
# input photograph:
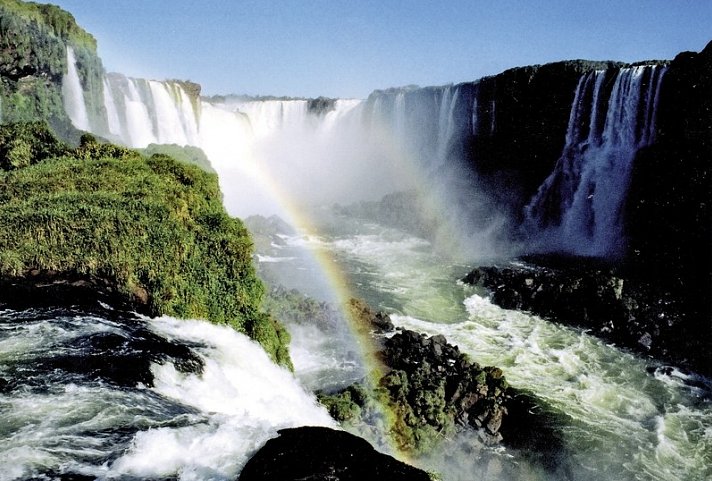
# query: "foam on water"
{"type": "Point", "coordinates": [324, 361]}
{"type": "Point", "coordinates": [246, 399]}
{"type": "Point", "coordinates": [396, 271]}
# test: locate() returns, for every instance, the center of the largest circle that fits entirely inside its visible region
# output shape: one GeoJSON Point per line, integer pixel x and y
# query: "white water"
{"type": "Point", "coordinates": [246, 399]}
{"type": "Point", "coordinates": [74, 94]}
{"type": "Point", "coordinates": [188, 426]}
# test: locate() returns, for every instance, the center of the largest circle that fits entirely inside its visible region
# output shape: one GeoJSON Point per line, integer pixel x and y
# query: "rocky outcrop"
{"type": "Point", "coordinates": [102, 222]}
{"type": "Point", "coordinates": [434, 389]}
{"type": "Point", "coordinates": [590, 294]}
{"type": "Point", "coordinates": [432, 392]}
{"type": "Point", "coordinates": [323, 454]}
{"type": "Point", "coordinates": [320, 105]}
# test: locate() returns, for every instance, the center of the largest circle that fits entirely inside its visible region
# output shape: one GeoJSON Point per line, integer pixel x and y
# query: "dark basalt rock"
{"type": "Point", "coordinates": [320, 105]}
{"type": "Point", "coordinates": [124, 361]}
{"type": "Point", "coordinates": [323, 454]}
{"type": "Point", "coordinates": [44, 288]}
{"type": "Point", "coordinates": [587, 293]}
{"type": "Point", "coordinates": [669, 207]}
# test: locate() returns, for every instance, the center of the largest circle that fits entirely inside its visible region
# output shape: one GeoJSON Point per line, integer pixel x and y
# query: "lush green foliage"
{"type": "Point", "coordinates": [25, 143]}
{"type": "Point", "coordinates": [153, 227]}
{"type": "Point", "coordinates": [46, 16]}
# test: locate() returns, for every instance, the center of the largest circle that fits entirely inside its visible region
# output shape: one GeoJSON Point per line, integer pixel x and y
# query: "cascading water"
{"type": "Point", "coordinates": [74, 94]}
{"type": "Point", "coordinates": [434, 129]}
{"type": "Point", "coordinates": [429, 136]}
{"type": "Point", "coordinates": [143, 112]}
{"type": "Point", "coordinates": [623, 417]}
{"type": "Point", "coordinates": [578, 207]}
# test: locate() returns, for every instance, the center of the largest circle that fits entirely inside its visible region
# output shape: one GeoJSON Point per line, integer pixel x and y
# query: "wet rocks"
{"type": "Point", "coordinates": [366, 319]}
{"type": "Point", "coordinates": [431, 393]}
{"type": "Point", "coordinates": [587, 293]}
{"type": "Point", "coordinates": [323, 454]}
{"type": "Point", "coordinates": [45, 288]}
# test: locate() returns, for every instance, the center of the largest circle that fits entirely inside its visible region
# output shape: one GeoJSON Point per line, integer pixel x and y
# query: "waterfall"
{"type": "Point", "coordinates": [105, 423]}
{"type": "Point", "coordinates": [578, 208]}
{"type": "Point", "coordinates": [74, 94]}
{"type": "Point", "coordinates": [112, 114]}
{"type": "Point", "coordinates": [142, 112]}
{"type": "Point", "coordinates": [400, 139]}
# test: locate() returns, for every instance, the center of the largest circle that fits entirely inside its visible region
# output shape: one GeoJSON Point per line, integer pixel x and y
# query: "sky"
{"type": "Point", "coordinates": [347, 49]}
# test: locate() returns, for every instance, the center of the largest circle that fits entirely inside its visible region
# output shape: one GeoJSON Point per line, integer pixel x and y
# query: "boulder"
{"type": "Point", "coordinates": [323, 454]}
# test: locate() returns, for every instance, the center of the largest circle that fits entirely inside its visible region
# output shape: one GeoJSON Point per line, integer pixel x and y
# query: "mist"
{"type": "Point", "coordinates": [282, 157]}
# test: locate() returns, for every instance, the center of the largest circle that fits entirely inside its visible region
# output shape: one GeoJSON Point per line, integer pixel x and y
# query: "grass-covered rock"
{"type": "Point", "coordinates": [427, 388]}
{"type": "Point", "coordinates": [151, 228]}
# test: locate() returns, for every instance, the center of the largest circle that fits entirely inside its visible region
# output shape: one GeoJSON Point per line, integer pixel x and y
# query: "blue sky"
{"type": "Point", "coordinates": [349, 48]}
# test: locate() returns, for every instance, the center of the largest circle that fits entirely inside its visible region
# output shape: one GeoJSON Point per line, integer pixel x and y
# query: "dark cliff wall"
{"type": "Point", "coordinates": [523, 114]}
{"type": "Point", "coordinates": [669, 209]}
{"type": "Point", "coordinates": [33, 45]}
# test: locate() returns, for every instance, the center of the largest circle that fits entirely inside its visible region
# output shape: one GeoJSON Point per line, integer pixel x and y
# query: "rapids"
{"type": "Point", "coordinates": [623, 417]}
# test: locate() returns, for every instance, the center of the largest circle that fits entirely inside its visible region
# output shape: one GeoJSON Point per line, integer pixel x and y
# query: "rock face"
{"type": "Point", "coordinates": [589, 294]}
{"type": "Point", "coordinates": [523, 113]}
{"type": "Point", "coordinates": [669, 209]}
{"type": "Point", "coordinates": [323, 454]}
{"type": "Point", "coordinates": [433, 387]}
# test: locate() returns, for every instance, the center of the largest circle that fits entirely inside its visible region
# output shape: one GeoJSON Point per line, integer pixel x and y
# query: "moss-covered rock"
{"type": "Point", "coordinates": [151, 230]}
{"type": "Point", "coordinates": [430, 389]}
{"type": "Point", "coordinates": [293, 307]}
{"type": "Point", "coordinates": [433, 389]}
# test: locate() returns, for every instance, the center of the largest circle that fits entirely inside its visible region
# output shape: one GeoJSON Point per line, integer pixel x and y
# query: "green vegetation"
{"type": "Point", "coordinates": [348, 405]}
{"type": "Point", "coordinates": [291, 306]}
{"type": "Point", "coordinates": [60, 22]}
{"type": "Point", "coordinates": [153, 227]}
